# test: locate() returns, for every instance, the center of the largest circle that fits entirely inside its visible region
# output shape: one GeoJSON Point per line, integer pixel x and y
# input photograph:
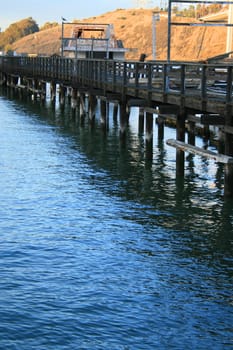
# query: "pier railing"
{"type": "Point", "coordinates": [202, 87]}
{"type": "Point", "coordinates": [188, 93]}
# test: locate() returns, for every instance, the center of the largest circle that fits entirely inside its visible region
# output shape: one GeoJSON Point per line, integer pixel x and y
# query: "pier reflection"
{"type": "Point", "coordinates": [192, 204]}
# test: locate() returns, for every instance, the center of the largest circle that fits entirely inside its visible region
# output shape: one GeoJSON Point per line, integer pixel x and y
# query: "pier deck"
{"type": "Point", "coordinates": [189, 93]}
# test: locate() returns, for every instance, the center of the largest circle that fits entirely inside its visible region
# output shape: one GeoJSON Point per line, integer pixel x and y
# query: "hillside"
{"type": "Point", "coordinates": [134, 28]}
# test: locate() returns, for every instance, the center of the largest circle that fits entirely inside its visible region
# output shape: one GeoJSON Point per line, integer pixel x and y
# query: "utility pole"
{"type": "Point", "coordinates": [169, 30]}
{"type": "Point", "coordinates": [229, 29]}
{"type": "Point", "coordinates": [155, 18]}
{"type": "Point", "coordinates": [62, 35]}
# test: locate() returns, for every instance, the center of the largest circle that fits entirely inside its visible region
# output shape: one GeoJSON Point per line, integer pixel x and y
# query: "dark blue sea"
{"type": "Point", "coordinates": [102, 248]}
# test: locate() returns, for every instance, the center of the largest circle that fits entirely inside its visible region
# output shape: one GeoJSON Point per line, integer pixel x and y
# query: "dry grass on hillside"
{"type": "Point", "coordinates": [134, 28]}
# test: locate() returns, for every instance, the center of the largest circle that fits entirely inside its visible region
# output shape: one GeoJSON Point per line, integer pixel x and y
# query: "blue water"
{"type": "Point", "coordinates": [101, 248]}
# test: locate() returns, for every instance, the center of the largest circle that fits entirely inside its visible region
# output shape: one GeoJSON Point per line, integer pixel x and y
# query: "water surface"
{"type": "Point", "coordinates": [101, 248]}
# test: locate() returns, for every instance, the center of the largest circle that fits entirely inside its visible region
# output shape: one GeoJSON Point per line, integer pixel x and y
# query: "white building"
{"type": "Point", "coordinates": [92, 41]}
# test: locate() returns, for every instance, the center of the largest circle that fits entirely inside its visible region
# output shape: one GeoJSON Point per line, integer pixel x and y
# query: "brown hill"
{"type": "Point", "coordinates": [134, 28]}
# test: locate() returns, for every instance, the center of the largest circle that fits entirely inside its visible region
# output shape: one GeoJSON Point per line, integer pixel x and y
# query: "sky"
{"type": "Point", "coordinates": [52, 10]}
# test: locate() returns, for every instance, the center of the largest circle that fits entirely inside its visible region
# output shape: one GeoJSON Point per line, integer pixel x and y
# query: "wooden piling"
{"type": "Point", "coordinates": [228, 178]}
{"type": "Point", "coordinates": [191, 133]}
{"type": "Point", "coordinates": [228, 182]}
{"type": "Point", "coordinates": [62, 94]}
{"type": "Point", "coordinates": [42, 88]}
{"type": "Point", "coordinates": [92, 107]}
{"type": "Point", "coordinates": [53, 91]}
{"type": "Point", "coordinates": [146, 92]}
{"type": "Point", "coordinates": [81, 99]}
{"type": "Point", "coordinates": [180, 136]}
{"type": "Point", "coordinates": [103, 113]}
{"type": "Point", "coordinates": [115, 111]}
{"type": "Point", "coordinates": [149, 135]}
{"type": "Point", "coordinates": [141, 118]}
{"type": "Point", "coordinates": [124, 117]}
{"type": "Point", "coordinates": [160, 124]}
{"type": "Point", "coordinates": [74, 99]}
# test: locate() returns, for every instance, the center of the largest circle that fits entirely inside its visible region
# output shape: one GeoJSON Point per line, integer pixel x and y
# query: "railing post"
{"type": "Point", "coordinates": [123, 118]}
{"type": "Point", "coordinates": [149, 136]}
{"type": "Point", "coordinates": [141, 120]}
{"type": "Point", "coordinates": [182, 80]}
{"type": "Point", "coordinates": [180, 136]}
{"type": "Point", "coordinates": [229, 85]}
{"type": "Point", "coordinates": [203, 82]}
{"type": "Point", "coordinates": [165, 79]}
{"type": "Point", "coordinates": [228, 176]}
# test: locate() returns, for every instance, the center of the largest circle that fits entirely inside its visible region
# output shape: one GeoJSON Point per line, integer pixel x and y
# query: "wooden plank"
{"type": "Point", "coordinates": [151, 110]}
{"type": "Point", "coordinates": [228, 129]}
{"type": "Point", "coordinates": [163, 110]}
{"type": "Point", "coordinates": [168, 109]}
{"type": "Point", "coordinates": [193, 118]}
{"type": "Point", "coordinates": [212, 119]}
{"type": "Point", "coordinates": [136, 102]}
{"type": "Point", "coordinates": [168, 117]}
{"type": "Point", "coordinates": [221, 158]}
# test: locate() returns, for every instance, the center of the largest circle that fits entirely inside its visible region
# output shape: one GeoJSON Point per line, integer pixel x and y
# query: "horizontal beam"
{"type": "Point", "coordinates": [220, 158]}
{"type": "Point", "coordinates": [137, 102]}
{"type": "Point", "coordinates": [168, 109]}
{"type": "Point", "coordinates": [201, 2]}
{"type": "Point", "coordinates": [212, 119]}
{"type": "Point", "coordinates": [201, 24]}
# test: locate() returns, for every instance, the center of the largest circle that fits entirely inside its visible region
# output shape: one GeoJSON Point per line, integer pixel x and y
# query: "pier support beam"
{"type": "Point", "coordinates": [115, 111]}
{"type": "Point", "coordinates": [12, 80]}
{"type": "Point", "coordinates": [141, 118]}
{"type": "Point", "coordinates": [53, 91]}
{"type": "Point", "coordinates": [191, 133]}
{"type": "Point", "coordinates": [42, 87]}
{"type": "Point", "coordinates": [180, 136]}
{"type": "Point", "coordinates": [103, 113]}
{"type": "Point", "coordinates": [92, 107]}
{"type": "Point", "coordinates": [81, 99]}
{"type": "Point", "coordinates": [62, 94]}
{"type": "Point", "coordinates": [74, 99]}
{"type": "Point", "coordinates": [124, 117]}
{"type": "Point", "coordinates": [228, 178]}
{"type": "Point", "coordinates": [2, 79]}
{"type": "Point", "coordinates": [149, 136]}
{"type": "Point", "coordinates": [160, 124]}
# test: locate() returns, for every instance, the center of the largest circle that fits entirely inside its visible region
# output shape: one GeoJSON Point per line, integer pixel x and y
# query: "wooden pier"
{"type": "Point", "coordinates": [187, 93]}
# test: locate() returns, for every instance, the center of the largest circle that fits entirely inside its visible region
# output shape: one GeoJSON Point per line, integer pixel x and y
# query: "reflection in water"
{"type": "Point", "coordinates": [155, 261]}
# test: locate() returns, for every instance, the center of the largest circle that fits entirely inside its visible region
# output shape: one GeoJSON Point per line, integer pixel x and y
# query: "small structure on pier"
{"type": "Point", "coordinates": [90, 40]}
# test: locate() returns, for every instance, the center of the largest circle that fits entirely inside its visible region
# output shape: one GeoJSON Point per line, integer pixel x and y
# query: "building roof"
{"type": "Point", "coordinates": [221, 16]}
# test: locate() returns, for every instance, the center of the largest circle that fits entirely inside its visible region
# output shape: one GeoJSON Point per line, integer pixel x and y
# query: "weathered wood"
{"type": "Point", "coordinates": [212, 119]}
{"type": "Point", "coordinates": [160, 123]}
{"type": "Point", "coordinates": [228, 129]}
{"type": "Point", "coordinates": [149, 126]}
{"type": "Point", "coordinates": [124, 116]}
{"type": "Point", "coordinates": [149, 136]}
{"type": "Point", "coordinates": [191, 133]}
{"type": "Point", "coordinates": [141, 120]}
{"type": "Point", "coordinates": [53, 90]}
{"type": "Point", "coordinates": [168, 109]}
{"type": "Point", "coordinates": [151, 110]}
{"type": "Point", "coordinates": [115, 111]}
{"type": "Point", "coordinates": [62, 93]}
{"type": "Point", "coordinates": [193, 118]}
{"type": "Point", "coordinates": [220, 158]}
{"type": "Point", "coordinates": [74, 98]}
{"type": "Point", "coordinates": [169, 89]}
{"type": "Point", "coordinates": [103, 113]}
{"type": "Point", "coordinates": [137, 103]}
{"type": "Point", "coordinates": [92, 107]}
{"type": "Point", "coordinates": [228, 180]}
